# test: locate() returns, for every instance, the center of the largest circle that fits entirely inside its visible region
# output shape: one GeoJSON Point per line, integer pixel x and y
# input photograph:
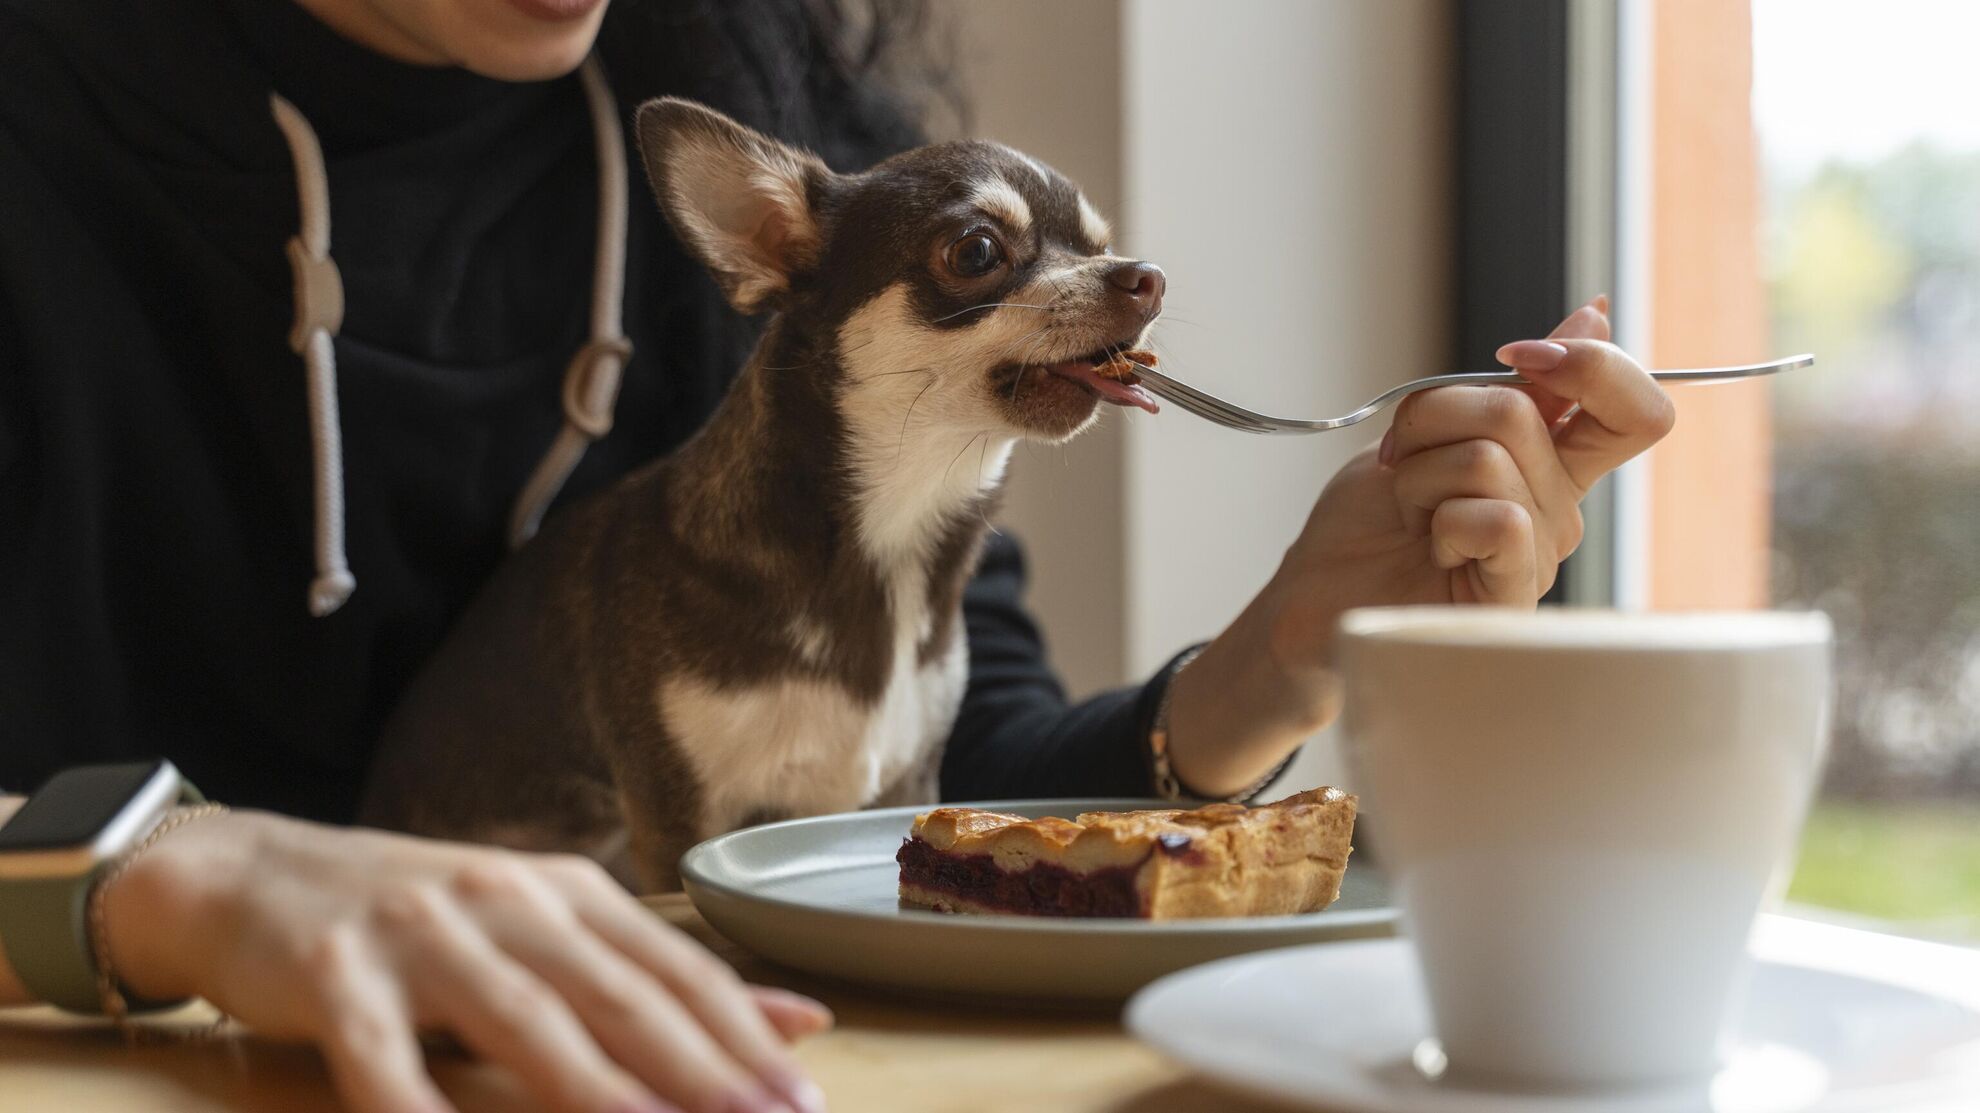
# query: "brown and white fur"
{"type": "Point", "coordinates": [766, 623]}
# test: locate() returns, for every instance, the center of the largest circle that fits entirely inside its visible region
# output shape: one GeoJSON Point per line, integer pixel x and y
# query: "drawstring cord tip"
{"type": "Point", "coordinates": [328, 591]}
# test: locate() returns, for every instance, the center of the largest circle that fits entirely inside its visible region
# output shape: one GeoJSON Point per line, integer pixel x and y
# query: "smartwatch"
{"type": "Point", "coordinates": [51, 852]}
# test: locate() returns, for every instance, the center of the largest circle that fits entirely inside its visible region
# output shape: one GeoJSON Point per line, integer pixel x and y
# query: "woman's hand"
{"type": "Point", "coordinates": [357, 941]}
{"type": "Point", "coordinates": [1473, 497]}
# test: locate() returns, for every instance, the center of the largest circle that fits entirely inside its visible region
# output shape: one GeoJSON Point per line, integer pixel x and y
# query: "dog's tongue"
{"type": "Point", "coordinates": [1119, 393]}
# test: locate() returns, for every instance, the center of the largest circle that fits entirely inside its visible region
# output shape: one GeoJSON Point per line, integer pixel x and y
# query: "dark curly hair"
{"type": "Point", "coordinates": [854, 80]}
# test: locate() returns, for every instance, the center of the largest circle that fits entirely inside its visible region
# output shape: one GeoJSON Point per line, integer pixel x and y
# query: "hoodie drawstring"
{"type": "Point", "coordinates": [591, 383]}
{"type": "Point", "coordinates": [319, 295]}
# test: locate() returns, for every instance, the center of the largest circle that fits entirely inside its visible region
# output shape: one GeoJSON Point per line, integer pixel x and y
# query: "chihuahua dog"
{"type": "Point", "coordinates": [767, 622]}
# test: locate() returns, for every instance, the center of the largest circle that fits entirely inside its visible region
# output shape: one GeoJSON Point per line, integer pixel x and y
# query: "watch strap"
{"type": "Point", "coordinates": [44, 924]}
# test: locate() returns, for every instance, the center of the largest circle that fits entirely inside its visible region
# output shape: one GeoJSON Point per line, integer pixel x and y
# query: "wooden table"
{"type": "Point", "coordinates": [886, 1055]}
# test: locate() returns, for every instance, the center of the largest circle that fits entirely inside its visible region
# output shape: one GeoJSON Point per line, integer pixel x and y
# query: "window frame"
{"type": "Point", "coordinates": [1552, 198]}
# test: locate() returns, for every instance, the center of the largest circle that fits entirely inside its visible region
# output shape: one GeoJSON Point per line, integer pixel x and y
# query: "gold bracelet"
{"type": "Point", "coordinates": [115, 1005]}
{"type": "Point", "coordinates": [1161, 765]}
{"type": "Point", "coordinates": [1167, 785]}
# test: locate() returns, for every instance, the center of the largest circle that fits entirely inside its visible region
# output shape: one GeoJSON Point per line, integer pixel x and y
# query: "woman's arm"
{"type": "Point", "coordinates": [357, 941]}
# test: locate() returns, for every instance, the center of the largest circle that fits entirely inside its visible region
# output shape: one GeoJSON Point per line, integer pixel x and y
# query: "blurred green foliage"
{"type": "Point", "coordinates": [1916, 865]}
{"type": "Point", "coordinates": [1876, 268]}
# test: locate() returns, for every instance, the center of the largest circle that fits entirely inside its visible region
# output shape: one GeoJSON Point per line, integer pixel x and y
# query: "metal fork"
{"type": "Point", "coordinates": [1237, 417]}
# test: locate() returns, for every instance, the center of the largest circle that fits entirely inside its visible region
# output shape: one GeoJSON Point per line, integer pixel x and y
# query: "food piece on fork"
{"type": "Point", "coordinates": [1122, 367]}
{"type": "Point", "coordinates": [1217, 860]}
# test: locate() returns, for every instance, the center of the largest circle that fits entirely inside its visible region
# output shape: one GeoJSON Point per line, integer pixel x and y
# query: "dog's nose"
{"type": "Point", "coordinates": [1144, 282]}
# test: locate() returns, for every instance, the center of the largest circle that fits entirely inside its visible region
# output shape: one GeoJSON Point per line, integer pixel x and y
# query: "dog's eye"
{"type": "Point", "coordinates": [975, 255]}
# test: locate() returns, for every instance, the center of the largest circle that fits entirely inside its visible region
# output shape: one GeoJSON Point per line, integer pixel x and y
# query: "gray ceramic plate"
{"type": "Point", "coordinates": [819, 895]}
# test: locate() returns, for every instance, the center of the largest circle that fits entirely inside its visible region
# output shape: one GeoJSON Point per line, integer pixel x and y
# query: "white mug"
{"type": "Point", "coordinates": [1581, 812]}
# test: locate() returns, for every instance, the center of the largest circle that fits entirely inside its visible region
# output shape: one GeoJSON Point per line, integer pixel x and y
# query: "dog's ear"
{"type": "Point", "coordinates": [740, 200]}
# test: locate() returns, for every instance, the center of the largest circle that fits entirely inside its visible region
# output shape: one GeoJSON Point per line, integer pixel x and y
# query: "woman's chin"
{"type": "Point", "coordinates": [532, 63]}
{"type": "Point", "coordinates": [508, 41]}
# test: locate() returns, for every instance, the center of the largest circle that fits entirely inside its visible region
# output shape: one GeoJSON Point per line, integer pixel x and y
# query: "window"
{"type": "Point", "coordinates": [1839, 214]}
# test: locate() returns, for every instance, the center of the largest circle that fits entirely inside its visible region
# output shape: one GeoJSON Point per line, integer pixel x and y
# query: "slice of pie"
{"type": "Point", "coordinates": [1218, 860]}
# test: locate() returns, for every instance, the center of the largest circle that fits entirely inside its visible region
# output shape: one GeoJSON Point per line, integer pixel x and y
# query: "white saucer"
{"type": "Point", "coordinates": [1340, 1027]}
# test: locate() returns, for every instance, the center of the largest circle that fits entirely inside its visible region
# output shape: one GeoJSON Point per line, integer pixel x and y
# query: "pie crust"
{"type": "Point", "coordinates": [1217, 860]}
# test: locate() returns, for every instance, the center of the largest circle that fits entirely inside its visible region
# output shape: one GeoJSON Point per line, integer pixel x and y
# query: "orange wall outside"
{"type": "Point", "coordinates": [1710, 480]}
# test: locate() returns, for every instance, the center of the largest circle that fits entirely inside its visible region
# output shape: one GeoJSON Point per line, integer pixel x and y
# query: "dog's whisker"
{"type": "Point", "coordinates": [1017, 380]}
{"type": "Point", "coordinates": [1048, 306]}
{"type": "Point", "coordinates": [1012, 346]}
{"type": "Point", "coordinates": [902, 446]}
{"type": "Point", "coordinates": [1035, 337]}
{"type": "Point", "coordinates": [991, 305]}
{"type": "Point", "coordinates": [963, 449]}
{"type": "Point", "coordinates": [1034, 332]}
{"type": "Point", "coordinates": [904, 371]}
{"type": "Point", "coordinates": [1058, 289]}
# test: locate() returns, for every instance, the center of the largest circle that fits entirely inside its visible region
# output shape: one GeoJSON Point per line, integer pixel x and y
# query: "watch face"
{"type": "Point", "coordinates": [75, 805]}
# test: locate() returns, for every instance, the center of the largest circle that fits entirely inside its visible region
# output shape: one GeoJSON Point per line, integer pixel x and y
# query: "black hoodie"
{"type": "Point", "coordinates": [155, 484]}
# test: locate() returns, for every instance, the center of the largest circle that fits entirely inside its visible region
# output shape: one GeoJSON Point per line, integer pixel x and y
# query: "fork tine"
{"type": "Point", "coordinates": [1208, 408]}
{"type": "Point", "coordinates": [1176, 393]}
{"type": "Point", "coordinates": [1203, 405]}
{"type": "Point", "coordinates": [1208, 413]}
{"type": "Point", "coordinates": [1189, 399]}
{"type": "Point", "coordinates": [1235, 416]}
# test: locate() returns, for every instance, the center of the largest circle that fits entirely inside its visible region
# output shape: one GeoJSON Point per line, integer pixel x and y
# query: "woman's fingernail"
{"type": "Point", "coordinates": [783, 1008]}
{"type": "Point", "coordinates": [803, 1094]}
{"type": "Point", "coordinates": [1533, 355]}
{"type": "Point", "coordinates": [1386, 454]}
{"type": "Point", "coordinates": [1600, 304]}
{"type": "Point", "coordinates": [800, 1001]}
